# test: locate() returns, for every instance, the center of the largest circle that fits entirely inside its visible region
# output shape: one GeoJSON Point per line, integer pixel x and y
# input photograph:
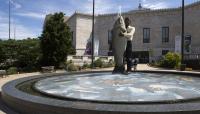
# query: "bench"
{"type": "Point", "coordinates": [48, 69]}
{"type": "Point", "coordinates": [2, 73]}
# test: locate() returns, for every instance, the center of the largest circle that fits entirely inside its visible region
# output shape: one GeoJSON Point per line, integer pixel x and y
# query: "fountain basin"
{"type": "Point", "coordinates": [118, 88]}
{"type": "Point", "coordinates": [37, 102]}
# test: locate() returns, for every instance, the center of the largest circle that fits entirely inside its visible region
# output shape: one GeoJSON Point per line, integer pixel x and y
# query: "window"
{"type": "Point", "coordinates": [146, 35]}
{"type": "Point", "coordinates": [164, 52]}
{"type": "Point", "coordinates": [110, 39]}
{"type": "Point", "coordinates": [72, 35]}
{"type": "Point", "coordinates": [109, 36]}
{"type": "Point", "coordinates": [165, 34]}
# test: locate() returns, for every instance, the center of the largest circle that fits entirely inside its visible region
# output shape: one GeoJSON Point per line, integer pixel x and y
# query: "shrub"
{"type": "Point", "coordinates": [86, 65]}
{"type": "Point", "coordinates": [68, 62]}
{"type": "Point", "coordinates": [170, 60]}
{"type": "Point", "coordinates": [109, 64]}
{"type": "Point", "coordinates": [12, 70]}
{"type": "Point", "coordinates": [71, 67]}
{"type": "Point", "coordinates": [98, 63]}
{"type": "Point", "coordinates": [155, 63]}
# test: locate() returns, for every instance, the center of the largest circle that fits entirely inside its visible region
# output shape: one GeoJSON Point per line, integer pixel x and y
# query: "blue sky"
{"type": "Point", "coordinates": [28, 15]}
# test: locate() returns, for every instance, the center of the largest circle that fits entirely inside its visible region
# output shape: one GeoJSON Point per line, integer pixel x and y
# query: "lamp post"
{"type": "Point", "coordinates": [9, 19]}
{"type": "Point", "coordinates": [93, 33]}
{"type": "Point", "coordinates": [182, 67]}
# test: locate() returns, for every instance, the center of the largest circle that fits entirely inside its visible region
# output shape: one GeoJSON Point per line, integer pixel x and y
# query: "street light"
{"type": "Point", "coordinates": [9, 19]}
{"type": "Point", "coordinates": [93, 33]}
{"type": "Point", "coordinates": [182, 67]}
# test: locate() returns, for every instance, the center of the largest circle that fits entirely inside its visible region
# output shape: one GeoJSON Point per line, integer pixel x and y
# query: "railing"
{"type": "Point", "coordinates": [192, 57]}
{"type": "Point", "coordinates": [192, 61]}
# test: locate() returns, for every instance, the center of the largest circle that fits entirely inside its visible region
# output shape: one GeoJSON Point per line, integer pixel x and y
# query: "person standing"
{"type": "Point", "coordinates": [129, 35]}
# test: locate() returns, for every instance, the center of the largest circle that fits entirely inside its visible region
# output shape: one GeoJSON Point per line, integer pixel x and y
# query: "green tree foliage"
{"type": "Point", "coordinates": [2, 54]}
{"type": "Point", "coordinates": [98, 63]}
{"type": "Point", "coordinates": [12, 70]}
{"type": "Point", "coordinates": [170, 60]}
{"type": "Point", "coordinates": [23, 54]}
{"type": "Point", "coordinates": [9, 53]}
{"type": "Point", "coordinates": [28, 54]}
{"type": "Point", "coordinates": [56, 41]}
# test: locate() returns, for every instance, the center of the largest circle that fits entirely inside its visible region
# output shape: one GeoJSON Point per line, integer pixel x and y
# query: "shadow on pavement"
{"type": "Point", "coordinates": [5, 109]}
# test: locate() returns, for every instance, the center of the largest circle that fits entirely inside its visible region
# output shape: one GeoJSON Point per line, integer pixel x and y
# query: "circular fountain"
{"type": "Point", "coordinates": [145, 92]}
{"type": "Point", "coordinates": [133, 88]}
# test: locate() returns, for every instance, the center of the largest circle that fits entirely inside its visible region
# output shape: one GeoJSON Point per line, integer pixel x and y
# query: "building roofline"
{"type": "Point", "coordinates": [80, 13]}
{"type": "Point", "coordinates": [142, 11]}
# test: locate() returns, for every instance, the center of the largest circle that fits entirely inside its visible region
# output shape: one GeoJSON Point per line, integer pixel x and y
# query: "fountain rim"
{"type": "Point", "coordinates": [12, 96]}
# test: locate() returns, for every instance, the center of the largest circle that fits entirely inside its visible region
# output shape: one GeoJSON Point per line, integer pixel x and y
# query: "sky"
{"type": "Point", "coordinates": [27, 16]}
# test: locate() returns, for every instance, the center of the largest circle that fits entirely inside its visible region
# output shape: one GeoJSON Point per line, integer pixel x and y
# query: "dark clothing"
{"type": "Point", "coordinates": [128, 55]}
{"type": "Point", "coordinates": [119, 70]}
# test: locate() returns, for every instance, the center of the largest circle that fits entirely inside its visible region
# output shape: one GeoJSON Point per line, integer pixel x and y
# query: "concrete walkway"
{"type": "Point", "coordinates": [5, 110]}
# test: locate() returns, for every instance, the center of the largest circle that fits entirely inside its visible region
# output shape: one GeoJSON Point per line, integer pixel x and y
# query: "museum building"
{"type": "Point", "coordinates": [157, 32]}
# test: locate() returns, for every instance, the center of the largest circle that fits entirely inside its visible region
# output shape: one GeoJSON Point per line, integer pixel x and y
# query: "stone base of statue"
{"type": "Point", "coordinates": [119, 70]}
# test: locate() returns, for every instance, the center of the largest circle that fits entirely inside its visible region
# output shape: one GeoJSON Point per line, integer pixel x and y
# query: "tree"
{"type": "Point", "coordinates": [28, 54]}
{"type": "Point", "coordinates": [56, 41]}
{"type": "Point", "coordinates": [2, 54]}
{"type": "Point", "coordinates": [8, 53]}
{"type": "Point", "coordinates": [23, 54]}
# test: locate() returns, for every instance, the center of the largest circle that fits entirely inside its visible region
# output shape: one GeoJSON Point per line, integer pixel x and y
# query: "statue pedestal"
{"type": "Point", "coordinates": [119, 70]}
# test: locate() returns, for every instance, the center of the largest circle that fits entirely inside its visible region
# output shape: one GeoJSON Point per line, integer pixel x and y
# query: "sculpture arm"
{"type": "Point", "coordinates": [129, 34]}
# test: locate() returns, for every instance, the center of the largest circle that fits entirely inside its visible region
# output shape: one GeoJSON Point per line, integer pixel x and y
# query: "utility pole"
{"type": "Point", "coordinates": [9, 19]}
{"type": "Point", "coordinates": [183, 36]}
{"type": "Point", "coordinates": [93, 17]}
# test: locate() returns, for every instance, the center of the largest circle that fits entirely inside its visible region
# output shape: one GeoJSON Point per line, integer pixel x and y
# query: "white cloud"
{"type": "Point", "coordinates": [105, 6]}
{"type": "Point", "coordinates": [32, 15]}
{"type": "Point", "coordinates": [155, 4]}
{"type": "Point", "coordinates": [45, 9]}
{"type": "Point", "coordinates": [22, 31]}
{"type": "Point", "coordinates": [15, 4]}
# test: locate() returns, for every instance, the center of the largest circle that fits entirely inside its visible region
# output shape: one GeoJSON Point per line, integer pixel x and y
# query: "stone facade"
{"type": "Point", "coordinates": [155, 20]}
{"type": "Point", "coordinates": [81, 27]}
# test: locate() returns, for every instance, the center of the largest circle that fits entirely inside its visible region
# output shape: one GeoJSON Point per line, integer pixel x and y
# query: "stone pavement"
{"type": "Point", "coordinates": [5, 110]}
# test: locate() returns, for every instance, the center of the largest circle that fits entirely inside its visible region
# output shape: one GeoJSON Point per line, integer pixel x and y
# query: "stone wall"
{"type": "Point", "coordinates": [102, 26]}
{"type": "Point", "coordinates": [81, 60]}
{"type": "Point", "coordinates": [153, 19]}
{"type": "Point", "coordinates": [81, 25]}
{"type": "Point", "coordinates": [71, 22]}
